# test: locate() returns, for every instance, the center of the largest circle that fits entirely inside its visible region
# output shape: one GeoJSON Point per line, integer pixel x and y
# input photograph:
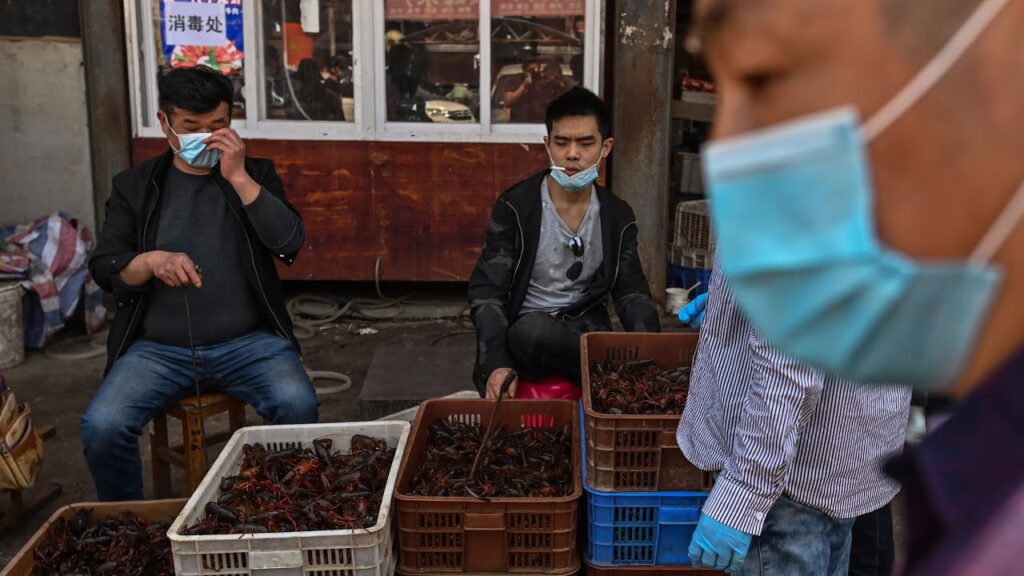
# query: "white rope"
{"type": "Point", "coordinates": [935, 69]}
{"type": "Point", "coordinates": [346, 381]}
{"type": "Point", "coordinates": [1000, 231]}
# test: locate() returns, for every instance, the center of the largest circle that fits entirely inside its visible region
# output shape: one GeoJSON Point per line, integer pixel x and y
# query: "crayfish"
{"type": "Point", "coordinates": [638, 387]}
{"type": "Point", "coordinates": [120, 546]}
{"type": "Point", "coordinates": [297, 489]}
{"type": "Point", "coordinates": [534, 462]}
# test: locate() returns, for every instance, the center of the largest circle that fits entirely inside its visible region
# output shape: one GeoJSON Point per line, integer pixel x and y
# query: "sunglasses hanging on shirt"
{"type": "Point", "coordinates": [576, 246]}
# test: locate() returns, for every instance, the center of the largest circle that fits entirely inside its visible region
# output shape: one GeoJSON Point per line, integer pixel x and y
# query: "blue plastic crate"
{"type": "Point", "coordinates": [683, 277]}
{"type": "Point", "coordinates": [640, 528]}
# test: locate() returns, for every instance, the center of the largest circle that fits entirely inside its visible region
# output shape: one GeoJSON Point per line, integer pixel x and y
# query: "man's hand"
{"type": "Point", "coordinates": [516, 95]}
{"type": "Point", "coordinates": [693, 313]}
{"type": "Point", "coordinates": [496, 379]}
{"type": "Point", "coordinates": [232, 163]}
{"type": "Point", "coordinates": [715, 545]}
{"type": "Point", "coordinates": [232, 152]}
{"type": "Point", "coordinates": [173, 268]}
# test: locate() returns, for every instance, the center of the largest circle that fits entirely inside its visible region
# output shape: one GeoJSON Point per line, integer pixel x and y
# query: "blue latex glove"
{"type": "Point", "coordinates": [693, 313]}
{"type": "Point", "coordinates": [715, 545]}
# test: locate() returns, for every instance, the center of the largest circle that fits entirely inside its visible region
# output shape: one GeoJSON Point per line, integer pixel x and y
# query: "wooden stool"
{"type": "Point", "coordinates": [191, 455]}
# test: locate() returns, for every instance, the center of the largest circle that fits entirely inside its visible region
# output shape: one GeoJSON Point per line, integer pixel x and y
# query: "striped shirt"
{"type": "Point", "coordinates": [773, 426]}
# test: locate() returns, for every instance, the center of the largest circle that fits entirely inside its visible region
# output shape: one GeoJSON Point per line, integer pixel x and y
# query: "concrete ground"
{"type": "Point", "coordinates": [60, 390]}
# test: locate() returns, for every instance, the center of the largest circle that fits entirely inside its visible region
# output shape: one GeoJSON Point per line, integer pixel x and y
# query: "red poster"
{"type": "Point", "coordinates": [538, 8]}
{"type": "Point", "coordinates": [467, 9]}
{"type": "Point", "coordinates": [431, 10]}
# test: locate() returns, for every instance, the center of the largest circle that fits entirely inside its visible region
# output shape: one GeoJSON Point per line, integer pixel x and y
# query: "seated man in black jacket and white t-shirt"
{"type": "Point", "coordinates": [557, 246]}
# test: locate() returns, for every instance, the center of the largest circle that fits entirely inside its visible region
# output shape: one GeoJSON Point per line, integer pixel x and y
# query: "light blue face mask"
{"type": "Point", "coordinates": [578, 181]}
{"type": "Point", "coordinates": [194, 152]}
{"type": "Point", "coordinates": [792, 206]}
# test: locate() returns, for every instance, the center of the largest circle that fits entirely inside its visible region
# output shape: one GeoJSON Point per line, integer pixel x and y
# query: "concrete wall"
{"type": "Point", "coordinates": [44, 140]}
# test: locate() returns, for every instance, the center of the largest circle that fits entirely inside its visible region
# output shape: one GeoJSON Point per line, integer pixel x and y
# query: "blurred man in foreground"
{"type": "Point", "coordinates": [903, 118]}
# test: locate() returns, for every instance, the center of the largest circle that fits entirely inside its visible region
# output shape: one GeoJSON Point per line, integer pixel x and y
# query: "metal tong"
{"type": "Point", "coordinates": [512, 375]}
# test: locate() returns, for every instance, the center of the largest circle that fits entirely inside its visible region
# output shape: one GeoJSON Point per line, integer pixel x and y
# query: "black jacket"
{"type": "Point", "coordinates": [132, 214]}
{"type": "Point", "coordinates": [500, 280]}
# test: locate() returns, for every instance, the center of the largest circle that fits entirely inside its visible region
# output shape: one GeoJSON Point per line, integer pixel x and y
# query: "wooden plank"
{"type": "Point", "coordinates": [422, 208]}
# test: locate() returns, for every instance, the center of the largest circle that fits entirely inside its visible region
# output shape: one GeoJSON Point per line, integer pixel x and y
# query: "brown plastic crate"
{"type": "Point", "coordinates": [631, 452]}
{"type": "Point", "coordinates": [650, 571]}
{"type": "Point", "coordinates": [152, 510]}
{"type": "Point", "coordinates": [467, 535]}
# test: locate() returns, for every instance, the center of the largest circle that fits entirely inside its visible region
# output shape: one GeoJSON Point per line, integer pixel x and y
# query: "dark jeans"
{"type": "Point", "coordinates": [261, 369]}
{"type": "Point", "coordinates": [542, 345]}
{"type": "Point", "coordinates": [872, 552]}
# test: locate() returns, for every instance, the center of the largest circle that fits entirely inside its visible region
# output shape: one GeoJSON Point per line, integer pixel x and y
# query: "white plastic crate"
{"type": "Point", "coordinates": [698, 259]}
{"type": "Point", "coordinates": [693, 227]}
{"type": "Point", "coordinates": [366, 552]}
{"type": "Point", "coordinates": [409, 414]}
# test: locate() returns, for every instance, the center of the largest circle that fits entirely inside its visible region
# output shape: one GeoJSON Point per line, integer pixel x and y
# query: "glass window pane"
{"type": "Point", "coordinates": [536, 55]}
{"type": "Point", "coordinates": [190, 33]}
{"type": "Point", "coordinates": [307, 60]}
{"type": "Point", "coordinates": [432, 60]}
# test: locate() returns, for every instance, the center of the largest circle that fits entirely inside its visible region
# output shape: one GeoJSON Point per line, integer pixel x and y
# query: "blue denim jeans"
{"type": "Point", "coordinates": [261, 369]}
{"type": "Point", "coordinates": [799, 540]}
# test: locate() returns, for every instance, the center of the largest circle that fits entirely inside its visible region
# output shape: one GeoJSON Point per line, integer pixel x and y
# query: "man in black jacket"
{"type": "Point", "coordinates": [556, 247]}
{"type": "Point", "coordinates": [188, 248]}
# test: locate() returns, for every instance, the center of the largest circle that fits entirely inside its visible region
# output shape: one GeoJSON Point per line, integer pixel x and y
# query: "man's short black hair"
{"type": "Point", "coordinates": [199, 90]}
{"type": "Point", "coordinates": [579, 102]}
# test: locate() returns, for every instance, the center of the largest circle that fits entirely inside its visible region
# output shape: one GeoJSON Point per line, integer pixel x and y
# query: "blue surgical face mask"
{"type": "Point", "coordinates": [193, 151]}
{"type": "Point", "coordinates": [578, 181]}
{"type": "Point", "coordinates": [793, 210]}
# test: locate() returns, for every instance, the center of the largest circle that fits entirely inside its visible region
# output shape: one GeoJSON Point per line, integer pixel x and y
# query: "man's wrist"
{"type": "Point", "coordinates": [737, 506]}
{"type": "Point", "coordinates": [146, 259]}
{"type": "Point", "coordinates": [246, 188]}
{"type": "Point", "coordinates": [241, 180]}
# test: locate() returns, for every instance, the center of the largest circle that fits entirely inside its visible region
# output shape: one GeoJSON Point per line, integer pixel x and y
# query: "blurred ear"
{"type": "Point", "coordinates": [607, 147]}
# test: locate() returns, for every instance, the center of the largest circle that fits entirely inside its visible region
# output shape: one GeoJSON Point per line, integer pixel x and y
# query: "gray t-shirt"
{"type": "Point", "coordinates": [195, 219]}
{"type": "Point", "coordinates": [550, 289]}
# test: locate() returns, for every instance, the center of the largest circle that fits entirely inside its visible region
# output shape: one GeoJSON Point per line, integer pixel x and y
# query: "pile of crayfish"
{"type": "Point", "coordinates": [533, 462]}
{"type": "Point", "coordinates": [119, 546]}
{"type": "Point", "coordinates": [638, 387]}
{"type": "Point", "coordinates": [299, 490]}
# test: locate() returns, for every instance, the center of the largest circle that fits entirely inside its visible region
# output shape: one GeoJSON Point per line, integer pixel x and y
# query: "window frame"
{"type": "Point", "coordinates": [370, 107]}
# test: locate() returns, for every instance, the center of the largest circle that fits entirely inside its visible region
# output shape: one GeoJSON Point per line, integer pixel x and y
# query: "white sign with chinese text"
{"type": "Point", "coordinates": [194, 24]}
{"type": "Point", "coordinates": [468, 9]}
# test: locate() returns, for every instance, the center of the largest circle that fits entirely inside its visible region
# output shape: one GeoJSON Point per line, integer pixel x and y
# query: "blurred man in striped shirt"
{"type": "Point", "coordinates": [798, 454]}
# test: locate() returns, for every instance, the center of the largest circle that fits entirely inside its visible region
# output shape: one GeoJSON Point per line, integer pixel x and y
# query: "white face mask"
{"type": "Point", "coordinates": [193, 151]}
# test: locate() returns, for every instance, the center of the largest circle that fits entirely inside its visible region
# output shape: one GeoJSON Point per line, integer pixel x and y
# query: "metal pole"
{"type": "Point", "coordinates": [106, 86]}
{"type": "Point", "coordinates": [332, 32]}
{"type": "Point", "coordinates": [642, 70]}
